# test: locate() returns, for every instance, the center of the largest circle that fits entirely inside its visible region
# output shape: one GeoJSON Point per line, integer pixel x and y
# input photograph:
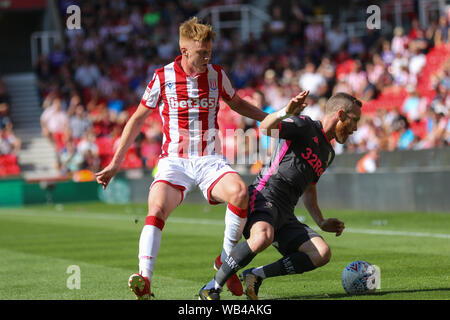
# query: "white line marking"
{"type": "Point", "coordinates": [216, 222]}
{"type": "Point", "coordinates": [196, 221]}
{"type": "Point", "coordinates": [398, 233]}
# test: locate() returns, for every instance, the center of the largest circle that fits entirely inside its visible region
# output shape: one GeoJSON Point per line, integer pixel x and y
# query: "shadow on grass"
{"type": "Point", "coordinates": [344, 295]}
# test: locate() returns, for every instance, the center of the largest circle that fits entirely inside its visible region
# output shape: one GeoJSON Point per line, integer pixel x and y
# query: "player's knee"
{"type": "Point", "coordinates": [238, 194]}
{"type": "Point", "coordinates": [260, 240]}
{"type": "Point", "coordinates": [157, 211]}
{"type": "Point", "coordinates": [324, 256]}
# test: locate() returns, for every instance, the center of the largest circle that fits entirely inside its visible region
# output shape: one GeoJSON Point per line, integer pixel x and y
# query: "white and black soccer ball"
{"type": "Point", "coordinates": [359, 277]}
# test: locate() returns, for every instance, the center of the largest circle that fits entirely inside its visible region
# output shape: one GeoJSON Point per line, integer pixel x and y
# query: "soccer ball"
{"type": "Point", "coordinates": [359, 277]}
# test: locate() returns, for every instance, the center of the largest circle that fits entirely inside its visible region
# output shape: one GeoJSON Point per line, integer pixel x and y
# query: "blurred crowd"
{"type": "Point", "coordinates": [90, 87]}
{"type": "Point", "coordinates": [10, 144]}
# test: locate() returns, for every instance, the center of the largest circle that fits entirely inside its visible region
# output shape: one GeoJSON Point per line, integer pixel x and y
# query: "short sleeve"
{"type": "Point", "coordinates": [293, 127]}
{"type": "Point", "coordinates": [228, 91]}
{"type": "Point", "coordinates": [152, 93]}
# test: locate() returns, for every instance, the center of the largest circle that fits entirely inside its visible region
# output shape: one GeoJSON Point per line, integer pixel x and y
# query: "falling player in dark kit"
{"type": "Point", "coordinates": [303, 154]}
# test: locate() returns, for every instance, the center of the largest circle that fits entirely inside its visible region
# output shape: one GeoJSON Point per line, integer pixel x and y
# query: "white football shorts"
{"type": "Point", "coordinates": [185, 174]}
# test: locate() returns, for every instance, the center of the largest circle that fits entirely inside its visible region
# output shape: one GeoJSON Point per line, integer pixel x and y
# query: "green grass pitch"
{"type": "Point", "coordinates": [38, 244]}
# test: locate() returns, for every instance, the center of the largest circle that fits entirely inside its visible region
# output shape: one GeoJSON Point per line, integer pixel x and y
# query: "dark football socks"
{"type": "Point", "coordinates": [239, 257]}
{"type": "Point", "coordinates": [293, 263]}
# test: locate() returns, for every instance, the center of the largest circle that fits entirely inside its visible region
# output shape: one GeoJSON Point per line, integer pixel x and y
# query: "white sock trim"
{"type": "Point", "coordinates": [259, 271]}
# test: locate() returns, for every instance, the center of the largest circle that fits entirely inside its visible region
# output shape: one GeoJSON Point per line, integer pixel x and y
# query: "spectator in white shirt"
{"type": "Point", "coordinates": [311, 80]}
{"type": "Point", "coordinates": [335, 39]}
{"type": "Point", "coordinates": [417, 60]}
{"type": "Point", "coordinates": [54, 120]}
{"type": "Point", "coordinates": [88, 144]}
{"type": "Point", "coordinates": [87, 74]}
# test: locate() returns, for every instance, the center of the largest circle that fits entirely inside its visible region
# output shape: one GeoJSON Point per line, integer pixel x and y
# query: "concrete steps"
{"type": "Point", "coordinates": [37, 158]}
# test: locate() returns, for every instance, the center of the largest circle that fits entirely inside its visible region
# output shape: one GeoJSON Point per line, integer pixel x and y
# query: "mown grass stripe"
{"type": "Point", "coordinates": [108, 216]}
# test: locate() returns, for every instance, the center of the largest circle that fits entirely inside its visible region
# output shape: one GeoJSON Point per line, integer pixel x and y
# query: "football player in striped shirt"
{"type": "Point", "coordinates": [186, 94]}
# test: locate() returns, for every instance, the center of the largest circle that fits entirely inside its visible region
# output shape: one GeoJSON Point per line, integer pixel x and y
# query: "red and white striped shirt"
{"type": "Point", "coordinates": [188, 107]}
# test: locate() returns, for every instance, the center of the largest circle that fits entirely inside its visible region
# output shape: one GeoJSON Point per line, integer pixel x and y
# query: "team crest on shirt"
{"type": "Point", "coordinates": [213, 84]}
{"type": "Point", "coordinates": [170, 85]}
{"type": "Point", "coordinates": [316, 140]}
{"type": "Point", "coordinates": [268, 205]}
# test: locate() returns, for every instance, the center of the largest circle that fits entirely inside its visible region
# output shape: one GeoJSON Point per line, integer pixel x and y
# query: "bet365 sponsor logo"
{"type": "Point", "coordinates": [193, 103]}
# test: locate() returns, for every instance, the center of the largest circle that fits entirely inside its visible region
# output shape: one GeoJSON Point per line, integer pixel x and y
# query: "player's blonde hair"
{"type": "Point", "coordinates": [342, 100]}
{"type": "Point", "coordinates": [193, 30]}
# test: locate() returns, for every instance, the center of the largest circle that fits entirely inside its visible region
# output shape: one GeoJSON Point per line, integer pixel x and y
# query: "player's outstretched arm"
{"type": "Point", "coordinates": [309, 198]}
{"type": "Point", "coordinates": [294, 107]}
{"type": "Point", "coordinates": [129, 134]}
{"type": "Point", "coordinates": [245, 108]}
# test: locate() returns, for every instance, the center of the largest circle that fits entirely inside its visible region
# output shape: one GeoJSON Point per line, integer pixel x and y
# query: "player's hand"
{"type": "Point", "coordinates": [104, 177]}
{"type": "Point", "coordinates": [297, 104]}
{"type": "Point", "coordinates": [333, 225]}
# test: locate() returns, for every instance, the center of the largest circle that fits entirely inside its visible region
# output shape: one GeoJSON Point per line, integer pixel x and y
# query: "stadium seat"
{"type": "Point", "coordinates": [105, 146]}
{"type": "Point", "coordinates": [344, 68]}
{"type": "Point", "coordinates": [419, 128]}
{"type": "Point", "coordinates": [9, 165]}
{"type": "Point", "coordinates": [132, 159]}
{"type": "Point", "coordinates": [393, 97]}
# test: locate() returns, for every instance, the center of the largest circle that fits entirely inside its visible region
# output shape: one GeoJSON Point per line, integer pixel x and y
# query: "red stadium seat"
{"type": "Point", "coordinates": [393, 97]}
{"type": "Point", "coordinates": [344, 68]}
{"type": "Point", "coordinates": [13, 170]}
{"type": "Point", "coordinates": [105, 145]}
{"type": "Point", "coordinates": [9, 165]}
{"type": "Point", "coordinates": [132, 161]}
{"type": "Point", "coordinates": [419, 128]}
